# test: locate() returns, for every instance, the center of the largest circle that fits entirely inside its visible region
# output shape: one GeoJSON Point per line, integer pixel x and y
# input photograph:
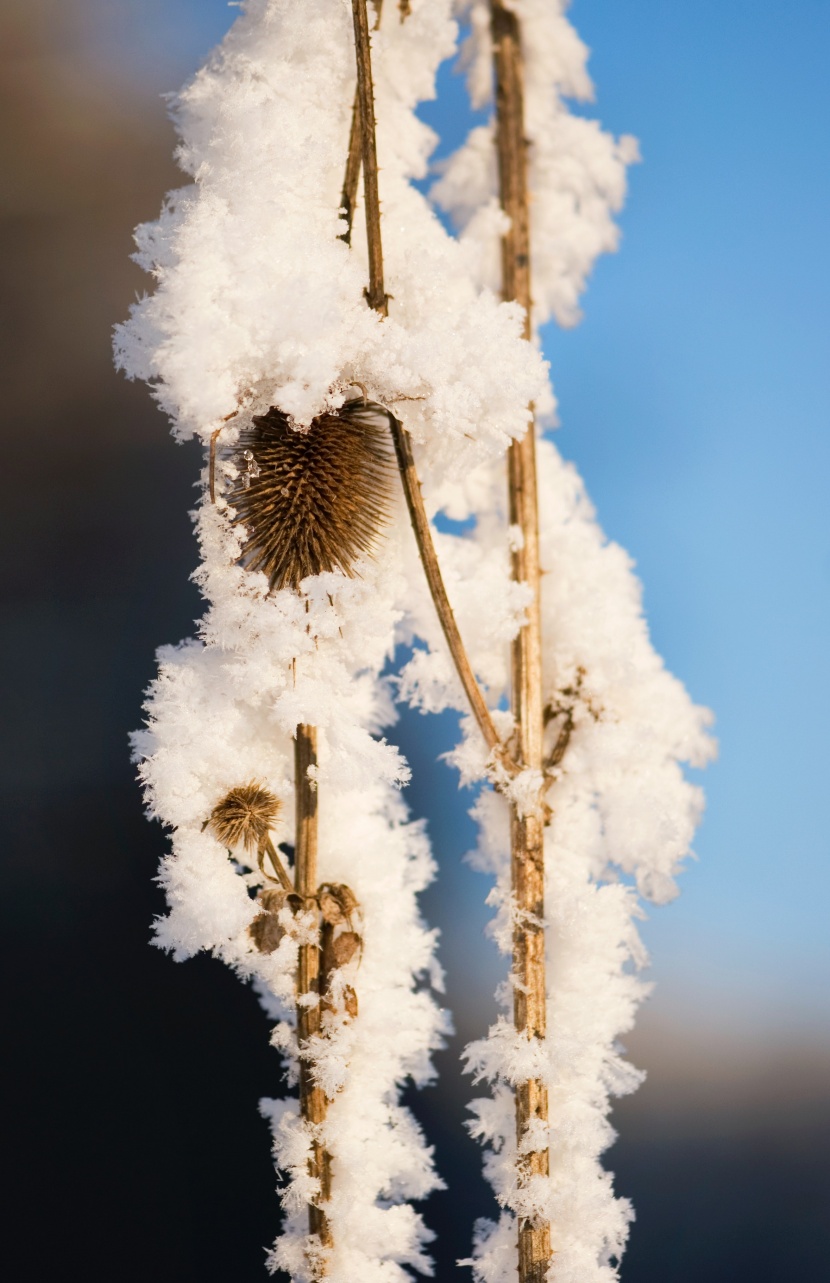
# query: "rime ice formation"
{"type": "Point", "coordinates": [258, 303]}
{"type": "Point", "coordinates": [623, 814]}
{"type": "Point", "coordinates": [576, 171]}
{"type": "Point", "coordinates": [623, 819]}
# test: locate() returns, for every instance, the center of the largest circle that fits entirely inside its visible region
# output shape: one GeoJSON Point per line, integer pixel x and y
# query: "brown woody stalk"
{"type": "Point", "coordinates": [377, 298]}
{"type": "Point", "coordinates": [526, 830]}
{"type": "Point", "coordinates": [312, 1096]}
{"type": "Point", "coordinates": [351, 179]}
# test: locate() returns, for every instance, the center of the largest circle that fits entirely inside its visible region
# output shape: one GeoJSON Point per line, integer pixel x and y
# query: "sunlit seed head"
{"type": "Point", "coordinates": [313, 500]}
{"type": "Point", "coordinates": [245, 817]}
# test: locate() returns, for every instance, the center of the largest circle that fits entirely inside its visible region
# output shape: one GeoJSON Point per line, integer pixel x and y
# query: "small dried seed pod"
{"type": "Point", "coordinates": [272, 899]}
{"type": "Point", "coordinates": [244, 817]}
{"type": "Point", "coordinates": [316, 499]}
{"type": "Point", "coordinates": [266, 931]}
{"type": "Point", "coordinates": [337, 902]}
{"type": "Point", "coordinates": [344, 947]}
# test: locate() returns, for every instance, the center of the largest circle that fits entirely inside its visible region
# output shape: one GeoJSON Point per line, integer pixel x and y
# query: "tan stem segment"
{"type": "Point", "coordinates": [312, 1097]}
{"type": "Point", "coordinates": [377, 298]}
{"type": "Point", "coordinates": [435, 580]}
{"type": "Point", "coordinates": [376, 294]}
{"type": "Point", "coordinates": [527, 831]}
{"type": "Point", "coordinates": [279, 868]}
{"type": "Point", "coordinates": [351, 178]}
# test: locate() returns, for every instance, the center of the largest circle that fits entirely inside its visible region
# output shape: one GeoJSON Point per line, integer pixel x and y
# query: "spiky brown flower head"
{"type": "Point", "coordinates": [245, 817]}
{"type": "Point", "coordinates": [313, 499]}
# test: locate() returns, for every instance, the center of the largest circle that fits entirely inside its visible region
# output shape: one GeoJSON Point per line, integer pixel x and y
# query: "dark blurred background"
{"type": "Point", "coordinates": [135, 1146]}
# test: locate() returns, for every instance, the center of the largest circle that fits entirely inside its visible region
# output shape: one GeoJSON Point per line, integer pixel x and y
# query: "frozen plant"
{"type": "Point", "coordinates": [258, 340]}
{"type": "Point", "coordinates": [335, 355]}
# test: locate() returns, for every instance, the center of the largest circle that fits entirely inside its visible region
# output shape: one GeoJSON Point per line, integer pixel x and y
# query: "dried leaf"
{"type": "Point", "coordinates": [266, 931]}
{"type": "Point", "coordinates": [344, 947]}
{"type": "Point", "coordinates": [337, 902]}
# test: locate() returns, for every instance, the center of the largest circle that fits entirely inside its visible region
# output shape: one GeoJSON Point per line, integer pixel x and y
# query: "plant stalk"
{"type": "Point", "coordinates": [351, 178]}
{"type": "Point", "coordinates": [435, 580]}
{"type": "Point", "coordinates": [526, 830]}
{"type": "Point", "coordinates": [283, 876]}
{"type": "Point", "coordinates": [312, 1096]}
{"type": "Point", "coordinates": [377, 298]}
{"type": "Point", "coordinates": [376, 294]}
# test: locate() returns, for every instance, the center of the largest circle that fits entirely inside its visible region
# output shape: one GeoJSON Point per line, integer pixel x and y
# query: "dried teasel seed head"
{"type": "Point", "coordinates": [244, 817]}
{"type": "Point", "coordinates": [337, 902]}
{"type": "Point", "coordinates": [313, 500]}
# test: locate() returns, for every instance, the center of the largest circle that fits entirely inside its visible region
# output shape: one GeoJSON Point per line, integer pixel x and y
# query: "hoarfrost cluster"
{"type": "Point", "coordinates": [259, 303]}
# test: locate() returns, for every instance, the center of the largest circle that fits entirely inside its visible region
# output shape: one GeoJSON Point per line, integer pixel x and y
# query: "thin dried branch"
{"type": "Point", "coordinates": [351, 178]}
{"type": "Point", "coordinates": [283, 877]}
{"type": "Point", "coordinates": [527, 830]}
{"type": "Point", "coordinates": [435, 580]}
{"type": "Point", "coordinates": [376, 294]}
{"type": "Point", "coordinates": [561, 743]}
{"type": "Point", "coordinates": [565, 707]}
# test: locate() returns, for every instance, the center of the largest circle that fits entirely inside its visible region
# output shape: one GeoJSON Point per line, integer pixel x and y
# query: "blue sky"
{"type": "Point", "coordinates": [694, 398]}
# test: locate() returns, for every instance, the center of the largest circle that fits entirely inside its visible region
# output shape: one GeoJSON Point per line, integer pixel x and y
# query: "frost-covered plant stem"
{"type": "Point", "coordinates": [312, 1096]}
{"type": "Point", "coordinates": [377, 298]}
{"type": "Point", "coordinates": [526, 825]}
{"type": "Point", "coordinates": [429, 560]}
{"type": "Point", "coordinates": [351, 178]}
{"type": "Point", "coordinates": [376, 294]}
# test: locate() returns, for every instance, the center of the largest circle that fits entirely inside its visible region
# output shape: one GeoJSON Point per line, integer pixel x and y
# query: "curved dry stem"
{"type": "Point", "coordinates": [435, 580]}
